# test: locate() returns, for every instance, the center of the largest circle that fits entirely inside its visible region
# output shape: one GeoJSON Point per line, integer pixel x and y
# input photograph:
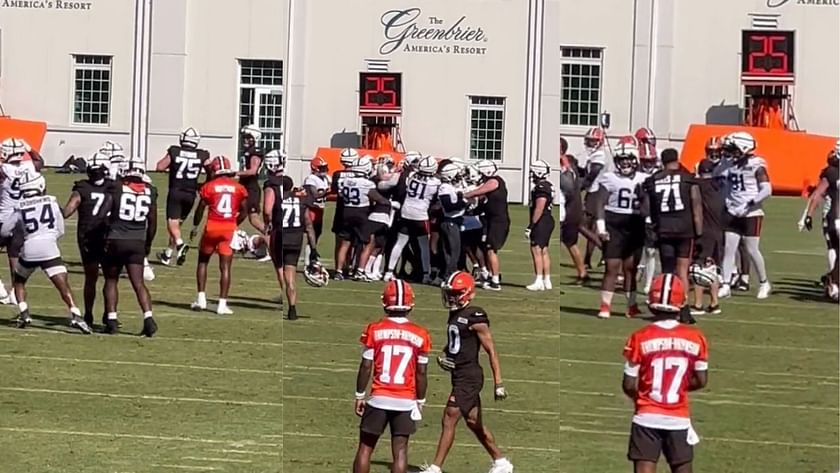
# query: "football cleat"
{"type": "Point", "coordinates": [24, 319]}
{"type": "Point", "coordinates": [79, 324]}
{"type": "Point", "coordinates": [149, 327]}
{"type": "Point", "coordinates": [725, 291]}
{"type": "Point", "coordinates": [182, 254]}
{"type": "Point", "coordinates": [633, 311]}
{"type": "Point", "coordinates": [223, 310]}
{"type": "Point", "coordinates": [547, 284]}
{"type": "Point", "coordinates": [430, 469]}
{"type": "Point", "coordinates": [713, 310]}
{"type": "Point", "coordinates": [501, 466]}
{"type": "Point", "coordinates": [361, 276]}
{"type": "Point", "coordinates": [111, 326]}
{"type": "Point", "coordinates": [148, 273]}
{"type": "Point", "coordinates": [198, 305]}
{"type": "Point", "coordinates": [698, 310]}
{"type": "Point", "coordinates": [388, 276]}
{"type": "Point", "coordinates": [164, 258]}
{"type": "Point", "coordinates": [764, 290]}
{"type": "Point", "coordinates": [292, 314]}
{"type": "Point", "coordinates": [537, 285]}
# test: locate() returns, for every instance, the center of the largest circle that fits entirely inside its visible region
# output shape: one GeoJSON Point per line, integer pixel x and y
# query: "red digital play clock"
{"type": "Point", "coordinates": [380, 92]}
{"type": "Point", "coordinates": [767, 55]}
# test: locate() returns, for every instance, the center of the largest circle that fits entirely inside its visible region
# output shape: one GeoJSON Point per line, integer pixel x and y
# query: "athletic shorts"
{"type": "Point", "coordinates": [13, 243]}
{"type": "Point", "coordinates": [91, 247]}
{"type": "Point", "coordinates": [709, 247]}
{"type": "Point", "coordinates": [374, 421]}
{"type": "Point", "coordinates": [254, 200]}
{"type": "Point", "coordinates": [354, 225]}
{"type": "Point", "coordinates": [570, 229]}
{"type": "Point", "coordinates": [648, 444]}
{"type": "Point", "coordinates": [495, 233]}
{"type": "Point", "coordinates": [52, 267]}
{"type": "Point", "coordinates": [179, 204]}
{"type": "Point", "coordinates": [744, 226]}
{"type": "Point", "coordinates": [119, 253]}
{"type": "Point", "coordinates": [217, 239]}
{"type": "Point", "coordinates": [466, 390]}
{"type": "Point", "coordinates": [414, 228]}
{"type": "Point", "coordinates": [675, 247]}
{"type": "Point", "coordinates": [627, 236]}
{"type": "Point", "coordinates": [286, 252]}
{"type": "Point", "coordinates": [541, 232]}
{"type": "Point", "coordinates": [379, 231]}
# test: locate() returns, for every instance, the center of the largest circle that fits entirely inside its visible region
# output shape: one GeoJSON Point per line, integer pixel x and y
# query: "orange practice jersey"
{"type": "Point", "coordinates": [398, 345]}
{"type": "Point", "coordinates": [223, 197]}
{"type": "Point", "coordinates": [667, 355]}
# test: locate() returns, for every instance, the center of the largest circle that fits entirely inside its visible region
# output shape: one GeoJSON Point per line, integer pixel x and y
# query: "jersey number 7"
{"type": "Point", "coordinates": [391, 354]}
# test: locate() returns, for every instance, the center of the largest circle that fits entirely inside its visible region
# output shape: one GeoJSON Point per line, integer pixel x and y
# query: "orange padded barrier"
{"type": "Point", "coordinates": [333, 156]}
{"type": "Point", "coordinates": [32, 132]}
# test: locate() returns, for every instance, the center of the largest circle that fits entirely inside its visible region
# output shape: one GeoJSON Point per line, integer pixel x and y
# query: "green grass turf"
{"type": "Point", "coordinates": [253, 393]}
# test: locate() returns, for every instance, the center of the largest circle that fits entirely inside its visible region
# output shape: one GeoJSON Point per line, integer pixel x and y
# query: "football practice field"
{"type": "Point", "coordinates": [254, 393]}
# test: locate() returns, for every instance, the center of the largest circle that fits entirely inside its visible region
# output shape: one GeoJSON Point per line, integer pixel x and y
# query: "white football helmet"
{"type": "Point", "coordinates": [253, 131]}
{"type": "Point", "coordinates": [540, 170]}
{"type": "Point", "coordinates": [348, 155]}
{"type": "Point", "coordinates": [117, 165]}
{"type": "Point", "coordinates": [384, 164]}
{"type": "Point", "coordinates": [275, 161]}
{"type": "Point", "coordinates": [427, 166]}
{"type": "Point", "coordinates": [626, 158]}
{"type": "Point", "coordinates": [33, 187]}
{"type": "Point", "coordinates": [703, 276]}
{"type": "Point", "coordinates": [411, 158]}
{"type": "Point", "coordinates": [486, 168]}
{"type": "Point", "coordinates": [111, 148]}
{"type": "Point", "coordinates": [450, 172]}
{"type": "Point", "coordinates": [362, 166]}
{"type": "Point", "coordinates": [316, 275]}
{"type": "Point", "coordinates": [738, 144]}
{"type": "Point", "coordinates": [135, 167]}
{"type": "Point", "coordinates": [190, 138]}
{"type": "Point", "coordinates": [13, 149]}
{"type": "Point", "coordinates": [471, 174]}
{"type": "Point", "coordinates": [239, 242]}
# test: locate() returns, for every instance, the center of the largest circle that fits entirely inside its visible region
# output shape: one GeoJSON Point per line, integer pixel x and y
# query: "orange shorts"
{"type": "Point", "coordinates": [217, 239]}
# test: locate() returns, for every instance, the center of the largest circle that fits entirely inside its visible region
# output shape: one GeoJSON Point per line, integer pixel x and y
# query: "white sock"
{"type": "Point", "coordinates": [167, 252]}
{"type": "Point", "coordinates": [146, 262]}
{"type": "Point", "coordinates": [757, 259]}
{"type": "Point", "coordinates": [377, 265]}
{"type": "Point", "coordinates": [730, 247]}
{"type": "Point", "coordinates": [396, 251]}
{"type": "Point", "coordinates": [425, 258]}
{"type": "Point", "coordinates": [832, 256]}
{"type": "Point", "coordinates": [147, 315]}
{"type": "Point", "coordinates": [495, 279]}
{"type": "Point", "coordinates": [23, 307]}
{"type": "Point", "coordinates": [546, 277]}
{"type": "Point", "coordinates": [179, 242]}
{"type": "Point", "coordinates": [306, 252]}
{"type": "Point", "coordinates": [75, 311]}
{"type": "Point", "coordinates": [222, 303]}
{"type": "Point", "coordinates": [202, 298]}
{"type": "Point", "coordinates": [501, 461]}
{"type": "Point", "coordinates": [606, 298]}
{"type": "Point", "coordinates": [112, 316]}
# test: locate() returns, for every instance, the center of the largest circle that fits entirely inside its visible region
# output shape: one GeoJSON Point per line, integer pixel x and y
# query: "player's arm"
{"type": "Point", "coordinates": [151, 228]}
{"type": "Point", "coordinates": [362, 379]}
{"type": "Point", "coordinates": [37, 159]}
{"type": "Point", "coordinates": [645, 199]}
{"type": "Point", "coordinates": [486, 339]}
{"type": "Point", "coordinates": [268, 207]}
{"type": "Point", "coordinates": [591, 174]}
{"type": "Point", "coordinates": [72, 204]}
{"type": "Point", "coordinates": [375, 196]}
{"type": "Point", "coordinates": [764, 187]}
{"type": "Point", "coordinates": [629, 383]}
{"type": "Point", "coordinates": [601, 195]}
{"type": "Point", "coordinates": [487, 187]}
{"type": "Point", "coordinates": [699, 380]}
{"type": "Point", "coordinates": [310, 236]}
{"type": "Point", "coordinates": [696, 208]}
{"type": "Point", "coordinates": [816, 197]}
{"type": "Point", "coordinates": [198, 216]}
{"type": "Point", "coordinates": [59, 218]}
{"type": "Point", "coordinates": [632, 365]}
{"type": "Point", "coordinates": [539, 207]}
{"type": "Point", "coordinates": [253, 167]}
{"type": "Point", "coordinates": [164, 162]}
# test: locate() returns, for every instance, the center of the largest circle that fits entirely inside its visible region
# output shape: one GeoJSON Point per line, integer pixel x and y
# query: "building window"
{"type": "Point", "coordinates": [261, 99]}
{"type": "Point", "coordinates": [91, 89]}
{"type": "Point", "coordinates": [581, 72]}
{"type": "Point", "coordinates": [487, 126]}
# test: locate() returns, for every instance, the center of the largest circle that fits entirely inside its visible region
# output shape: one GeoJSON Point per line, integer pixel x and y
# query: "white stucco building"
{"type": "Point", "coordinates": [500, 79]}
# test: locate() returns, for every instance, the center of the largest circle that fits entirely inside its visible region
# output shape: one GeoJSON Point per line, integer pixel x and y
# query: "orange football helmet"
{"type": "Point", "coordinates": [398, 296]}
{"type": "Point", "coordinates": [594, 138]}
{"type": "Point", "coordinates": [646, 136]}
{"type": "Point", "coordinates": [220, 165]}
{"type": "Point", "coordinates": [458, 290]}
{"type": "Point", "coordinates": [318, 165]}
{"type": "Point", "coordinates": [667, 293]}
{"type": "Point", "coordinates": [628, 140]}
{"type": "Point", "coordinates": [714, 149]}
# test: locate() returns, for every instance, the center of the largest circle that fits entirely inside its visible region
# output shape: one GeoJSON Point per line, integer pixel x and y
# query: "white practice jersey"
{"type": "Point", "coordinates": [742, 185]}
{"type": "Point", "coordinates": [623, 191]}
{"type": "Point", "coordinates": [599, 156]}
{"type": "Point", "coordinates": [320, 184]}
{"type": "Point", "coordinates": [43, 225]}
{"type": "Point", "coordinates": [354, 191]}
{"type": "Point", "coordinates": [10, 189]}
{"type": "Point", "coordinates": [452, 191]}
{"type": "Point", "coordinates": [420, 192]}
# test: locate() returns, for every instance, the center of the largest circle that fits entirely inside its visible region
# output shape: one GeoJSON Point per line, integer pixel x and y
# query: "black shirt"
{"type": "Point", "coordinates": [669, 194]}
{"type": "Point", "coordinates": [250, 182]}
{"type": "Point", "coordinates": [95, 200]}
{"type": "Point", "coordinates": [714, 205]}
{"type": "Point", "coordinates": [287, 213]}
{"type": "Point", "coordinates": [130, 209]}
{"type": "Point", "coordinates": [541, 189]}
{"type": "Point", "coordinates": [463, 343]}
{"type": "Point", "coordinates": [832, 175]}
{"type": "Point", "coordinates": [497, 205]}
{"type": "Point", "coordinates": [185, 167]}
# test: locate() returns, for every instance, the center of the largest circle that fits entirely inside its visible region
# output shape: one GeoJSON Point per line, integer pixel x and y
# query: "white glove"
{"type": "Point", "coordinates": [417, 410]}
{"type": "Point", "coordinates": [562, 214]}
{"type": "Point", "coordinates": [801, 224]}
{"type": "Point", "coordinates": [601, 229]}
{"type": "Point", "coordinates": [837, 225]}
{"type": "Point", "coordinates": [395, 205]}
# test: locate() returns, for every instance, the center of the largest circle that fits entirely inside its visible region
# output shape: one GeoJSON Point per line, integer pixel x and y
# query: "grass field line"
{"type": "Point", "coordinates": [420, 442]}
{"type": "Point", "coordinates": [184, 467]}
{"type": "Point", "coordinates": [141, 363]}
{"type": "Point", "coordinates": [244, 452]}
{"type": "Point", "coordinates": [216, 459]}
{"type": "Point", "coordinates": [157, 438]}
{"type": "Point", "coordinates": [145, 397]}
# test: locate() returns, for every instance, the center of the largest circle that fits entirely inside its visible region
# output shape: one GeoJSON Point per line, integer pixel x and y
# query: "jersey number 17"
{"type": "Point", "coordinates": [396, 358]}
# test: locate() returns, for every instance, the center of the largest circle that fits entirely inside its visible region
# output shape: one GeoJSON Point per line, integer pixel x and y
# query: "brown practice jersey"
{"type": "Point", "coordinates": [669, 194]}
{"type": "Point", "coordinates": [463, 344]}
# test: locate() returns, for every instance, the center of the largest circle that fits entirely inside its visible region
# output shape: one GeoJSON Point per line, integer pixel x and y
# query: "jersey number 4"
{"type": "Point", "coordinates": [394, 356]}
{"type": "Point", "coordinates": [224, 206]}
{"type": "Point", "coordinates": [668, 373]}
{"type": "Point", "coordinates": [33, 224]}
{"type": "Point", "coordinates": [135, 208]}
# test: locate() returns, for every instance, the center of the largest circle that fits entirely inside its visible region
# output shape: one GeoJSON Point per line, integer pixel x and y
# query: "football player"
{"type": "Point", "coordinates": [381, 217]}
{"type": "Point", "coordinates": [827, 190]}
{"type": "Point", "coordinates": [39, 218]}
{"type": "Point", "coordinates": [649, 163]}
{"type": "Point", "coordinates": [496, 218]}
{"type": "Point", "coordinates": [454, 206]}
{"type": "Point", "coordinates": [714, 153]}
{"type": "Point", "coordinates": [184, 163]}
{"type": "Point", "coordinates": [658, 377]}
{"type": "Point", "coordinates": [91, 197]}
{"type": "Point", "coordinates": [468, 331]}
{"type": "Point", "coordinates": [358, 192]}
{"type": "Point", "coordinates": [571, 226]}
{"type": "Point", "coordinates": [19, 163]}
{"type": "Point", "coordinates": [541, 224]}
{"type": "Point", "coordinates": [133, 224]}
{"type": "Point", "coordinates": [227, 201]}
{"type": "Point", "coordinates": [348, 156]}
{"type": "Point", "coordinates": [593, 163]}
{"type": "Point", "coordinates": [317, 185]}
{"type": "Point", "coordinates": [473, 226]}
{"type": "Point", "coordinates": [748, 186]}
{"type": "Point", "coordinates": [419, 191]}
{"type": "Point", "coordinates": [620, 225]}
{"type": "Point", "coordinates": [286, 217]}
{"type": "Point", "coordinates": [709, 247]}
{"type": "Point", "coordinates": [250, 165]}
{"type": "Point", "coordinates": [396, 356]}
{"type": "Point", "coordinates": [673, 209]}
